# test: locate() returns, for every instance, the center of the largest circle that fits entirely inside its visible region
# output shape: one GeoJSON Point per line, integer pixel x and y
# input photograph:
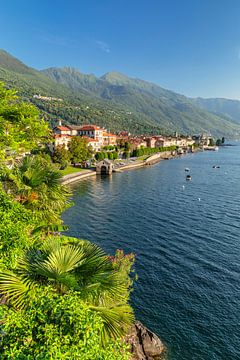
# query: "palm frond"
{"type": "Point", "coordinates": [117, 320]}
{"type": "Point", "coordinates": [15, 289]}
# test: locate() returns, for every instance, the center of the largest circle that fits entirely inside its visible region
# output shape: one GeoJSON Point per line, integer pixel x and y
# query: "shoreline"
{"type": "Point", "coordinates": [154, 159]}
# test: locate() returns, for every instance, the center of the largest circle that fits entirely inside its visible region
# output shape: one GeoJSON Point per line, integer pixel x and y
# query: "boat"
{"type": "Point", "coordinates": [187, 169]}
{"type": "Point", "coordinates": [188, 177]}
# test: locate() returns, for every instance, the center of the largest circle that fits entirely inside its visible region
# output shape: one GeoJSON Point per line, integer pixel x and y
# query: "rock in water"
{"type": "Point", "coordinates": [145, 344]}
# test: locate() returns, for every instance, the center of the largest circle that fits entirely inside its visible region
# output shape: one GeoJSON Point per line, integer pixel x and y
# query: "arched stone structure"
{"type": "Point", "coordinates": [104, 167]}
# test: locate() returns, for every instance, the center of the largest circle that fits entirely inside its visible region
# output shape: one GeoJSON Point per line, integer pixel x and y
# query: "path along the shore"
{"type": "Point", "coordinates": [83, 174]}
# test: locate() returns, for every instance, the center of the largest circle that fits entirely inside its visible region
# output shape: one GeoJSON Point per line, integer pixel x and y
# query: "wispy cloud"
{"type": "Point", "coordinates": [57, 40]}
{"type": "Point", "coordinates": [103, 46]}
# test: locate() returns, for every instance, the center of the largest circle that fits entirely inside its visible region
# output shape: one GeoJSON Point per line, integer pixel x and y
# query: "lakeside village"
{"type": "Point", "coordinates": [120, 148]}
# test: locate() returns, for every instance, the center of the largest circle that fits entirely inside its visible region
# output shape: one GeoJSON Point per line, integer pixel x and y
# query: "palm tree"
{"type": "Point", "coordinates": [75, 266]}
{"type": "Point", "coordinates": [36, 184]}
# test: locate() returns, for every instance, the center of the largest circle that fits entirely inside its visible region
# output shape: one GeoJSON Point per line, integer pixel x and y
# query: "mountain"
{"type": "Point", "coordinates": [166, 108]}
{"type": "Point", "coordinates": [79, 107]}
{"type": "Point", "coordinates": [114, 100]}
{"type": "Point", "coordinates": [220, 106]}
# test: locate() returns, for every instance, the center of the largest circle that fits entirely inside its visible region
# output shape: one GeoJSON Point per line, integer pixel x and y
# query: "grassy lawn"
{"type": "Point", "coordinates": [70, 170]}
{"type": "Point", "coordinates": [143, 157]}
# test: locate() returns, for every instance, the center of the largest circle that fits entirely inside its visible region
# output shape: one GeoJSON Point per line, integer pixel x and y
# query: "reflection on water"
{"type": "Point", "coordinates": [187, 251]}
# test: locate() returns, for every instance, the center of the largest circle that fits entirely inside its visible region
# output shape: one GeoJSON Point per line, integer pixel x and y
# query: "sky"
{"type": "Point", "coordinates": [189, 46]}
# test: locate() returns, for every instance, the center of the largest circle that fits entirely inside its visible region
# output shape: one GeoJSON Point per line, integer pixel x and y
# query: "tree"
{"type": "Point", "coordinates": [127, 146]}
{"type": "Point", "coordinates": [211, 142]}
{"type": "Point", "coordinates": [115, 155]}
{"type": "Point", "coordinates": [223, 140]}
{"type": "Point", "coordinates": [77, 266]}
{"type": "Point", "coordinates": [110, 156]}
{"type": "Point", "coordinates": [35, 183]}
{"type": "Point", "coordinates": [79, 150]}
{"type": "Point", "coordinates": [98, 156]}
{"type": "Point", "coordinates": [126, 154]}
{"type": "Point", "coordinates": [218, 142]}
{"type": "Point", "coordinates": [61, 156]}
{"type": "Point", "coordinates": [21, 128]}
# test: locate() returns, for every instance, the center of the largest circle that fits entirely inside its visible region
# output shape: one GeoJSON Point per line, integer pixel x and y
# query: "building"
{"type": "Point", "coordinates": [109, 139]}
{"type": "Point", "coordinates": [97, 136]}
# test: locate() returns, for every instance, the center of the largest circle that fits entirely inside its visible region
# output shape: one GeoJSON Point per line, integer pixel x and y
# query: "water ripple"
{"type": "Point", "coordinates": [186, 237]}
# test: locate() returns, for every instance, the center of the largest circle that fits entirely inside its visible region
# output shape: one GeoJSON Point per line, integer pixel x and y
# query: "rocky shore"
{"type": "Point", "coordinates": [145, 345]}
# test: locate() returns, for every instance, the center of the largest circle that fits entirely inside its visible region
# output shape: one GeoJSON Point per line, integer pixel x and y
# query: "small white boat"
{"type": "Point", "coordinates": [188, 177]}
{"type": "Point", "coordinates": [187, 169]}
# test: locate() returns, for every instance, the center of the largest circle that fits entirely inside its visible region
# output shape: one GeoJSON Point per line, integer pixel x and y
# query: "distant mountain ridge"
{"type": "Point", "coordinates": [114, 100]}
{"type": "Point", "coordinates": [170, 110]}
{"type": "Point", "coordinates": [227, 107]}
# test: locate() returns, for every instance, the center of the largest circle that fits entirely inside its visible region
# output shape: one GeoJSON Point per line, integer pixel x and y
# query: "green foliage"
{"type": "Point", "coordinates": [61, 298]}
{"type": "Point", "coordinates": [218, 142]}
{"type": "Point", "coordinates": [61, 156]}
{"type": "Point", "coordinates": [114, 101]}
{"type": "Point", "coordinates": [149, 151]}
{"type": "Point", "coordinates": [16, 225]}
{"type": "Point", "coordinates": [127, 146]}
{"type": "Point", "coordinates": [111, 155]}
{"type": "Point", "coordinates": [123, 264]}
{"type": "Point", "coordinates": [126, 154]}
{"type": "Point", "coordinates": [109, 147]}
{"type": "Point", "coordinates": [36, 184]}
{"type": "Point", "coordinates": [75, 266]}
{"type": "Point", "coordinates": [211, 142]}
{"type": "Point", "coordinates": [159, 109]}
{"type": "Point", "coordinates": [79, 150]}
{"type": "Point", "coordinates": [56, 327]}
{"type": "Point", "coordinates": [20, 126]}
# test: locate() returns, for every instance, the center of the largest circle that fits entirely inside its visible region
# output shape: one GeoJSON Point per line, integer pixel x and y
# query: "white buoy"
{"type": "Point", "coordinates": [183, 187]}
{"type": "Point", "coordinates": [199, 199]}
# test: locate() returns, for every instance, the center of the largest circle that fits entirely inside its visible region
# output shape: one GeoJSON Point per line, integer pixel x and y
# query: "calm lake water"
{"type": "Point", "coordinates": [186, 237]}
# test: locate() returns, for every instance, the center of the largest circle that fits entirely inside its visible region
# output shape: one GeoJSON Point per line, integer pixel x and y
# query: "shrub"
{"type": "Point", "coordinates": [56, 327]}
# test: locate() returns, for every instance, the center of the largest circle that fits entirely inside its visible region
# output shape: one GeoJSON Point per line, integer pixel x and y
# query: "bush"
{"type": "Point", "coordinates": [16, 224]}
{"type": "Point", "coordinates": [56, 327]}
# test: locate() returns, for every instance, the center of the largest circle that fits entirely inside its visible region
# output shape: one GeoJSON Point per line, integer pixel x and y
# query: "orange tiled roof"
{"type": "Point", "coordinates": [62, 128]}
{"type": "Point", "coordinates": [90, 127]}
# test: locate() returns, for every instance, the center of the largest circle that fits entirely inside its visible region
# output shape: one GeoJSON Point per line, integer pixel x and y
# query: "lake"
{"type": "Point", "coordinates": [186, 237]}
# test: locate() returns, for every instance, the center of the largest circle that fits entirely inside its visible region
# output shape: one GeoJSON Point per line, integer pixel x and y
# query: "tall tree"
{"type": "Point", "coordinates": [79, 150]}
{"type": "Point", "coordinates": [61, 156]}
{"type": "Point", "coordinates": [21, 128]}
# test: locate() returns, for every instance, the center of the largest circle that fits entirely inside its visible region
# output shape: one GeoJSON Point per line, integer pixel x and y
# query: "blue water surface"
{"type": "Point", "coordinates": [186, 237]}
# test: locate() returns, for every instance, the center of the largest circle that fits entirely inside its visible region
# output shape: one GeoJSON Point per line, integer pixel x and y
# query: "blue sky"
{"type": "Point", "coordinates": [189, 46]}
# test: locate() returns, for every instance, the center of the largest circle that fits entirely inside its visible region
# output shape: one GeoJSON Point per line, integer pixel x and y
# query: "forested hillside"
{"type": "Point", "coordinates": [114, 101]}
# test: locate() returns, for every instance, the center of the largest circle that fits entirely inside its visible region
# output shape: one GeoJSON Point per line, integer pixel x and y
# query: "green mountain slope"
{"type": "Point", "coordinates": [166, 108]}
{"type": "Point", "coordinates": [114, 101]}
{"type": "Point", "coordinates": [221, 106]}
{"type": "Point", "coordinates": [76, 108]}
